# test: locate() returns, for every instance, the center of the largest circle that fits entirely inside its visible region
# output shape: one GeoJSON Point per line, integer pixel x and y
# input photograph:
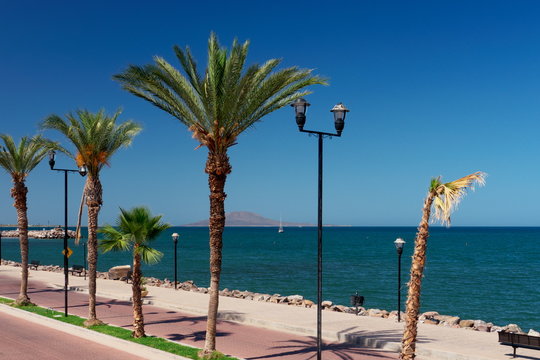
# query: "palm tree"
{"type": "Point", "coordinates": [96, 137]}
{"type": "Point", "coordinates": [19, 161]}
{"type": "Point", "coordinates": [445, 198]}
{"type": "Point", "coordinates": [135, 229]}
{"type": "Point", "coordinates": [217, 107]}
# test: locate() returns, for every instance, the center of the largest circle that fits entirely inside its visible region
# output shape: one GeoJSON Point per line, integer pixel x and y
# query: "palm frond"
{"type": "Point", "coordinates": [227, 99]}
{"type": "Point", "coordinates": [149, 255]}
{"type": "Point", "coordinates": [114, 240]}
{"type": "Point", "coordinates": [95, 136]}
{"type": "Point", "coordinates": [449, 195]}
{"type": "Point", "coordinates": [135, 228]}
{"type": "Point", "coordinates": [19, 160]}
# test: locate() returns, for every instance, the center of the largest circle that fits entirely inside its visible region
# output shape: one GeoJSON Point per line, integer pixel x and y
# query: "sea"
{"type": "Point", "coordinates": [485, 273]}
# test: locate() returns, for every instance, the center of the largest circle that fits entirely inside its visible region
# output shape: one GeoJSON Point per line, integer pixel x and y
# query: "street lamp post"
{"type": "Point", "coordinates": [339, 111]}
{"type": "Point", "coordinates": [175, 240]}
{"type": "Point", "coordinates": [399, 247]}
{"type": "Point", "coordinates": [0, 248]}
{"type": "Point", "coordinates": [82, 171]}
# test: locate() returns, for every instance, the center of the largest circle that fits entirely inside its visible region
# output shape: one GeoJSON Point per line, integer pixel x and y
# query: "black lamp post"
{"type": "Point", "coordinates": [340, 111]}
{"type": "Point", "coordinates": [399, 247]}
{"type": "Point", "coordinates": [82, 171]}
{"type": "Point", "coordinates": [0, 247]}
{"type": "Point", "coordinates": [175, 237]}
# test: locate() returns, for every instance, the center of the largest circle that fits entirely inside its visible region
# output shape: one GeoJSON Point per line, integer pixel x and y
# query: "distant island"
{"type": "Point", "coordinates": [246, 218]}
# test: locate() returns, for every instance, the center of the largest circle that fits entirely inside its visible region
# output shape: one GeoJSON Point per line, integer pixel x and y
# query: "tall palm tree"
{"type": "Point", "coordinates": [445, 198]}
{"type": "Point", "coordinates": [96, 137]}
{"type": "Point", "coordinates": [217, 107]}
{"type": "Point", "coordinates": [19, 161]}
{"type": "Point", "coordinates": [135, 229]}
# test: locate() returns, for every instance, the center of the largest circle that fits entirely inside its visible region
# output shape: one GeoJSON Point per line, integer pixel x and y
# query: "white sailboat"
{"type": "Point", "coordinates": [280, 230]}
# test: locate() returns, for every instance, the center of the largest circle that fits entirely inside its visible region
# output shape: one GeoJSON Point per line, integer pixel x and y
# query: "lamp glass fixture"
{"type": "Point", "coordinates": [340, 111]}
{"type": "Point", "coordinates": [399, 243]}
{"type": "Point", "coordinates": [300, 106]}
{"type": "Point", "coordinates": [175, 237]}
{"type": "Point", "coordinates": [83, 170]}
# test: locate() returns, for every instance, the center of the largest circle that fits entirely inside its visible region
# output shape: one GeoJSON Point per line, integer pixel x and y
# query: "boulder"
{"type": "Point", "coordinates": [533, 332]}
{"type": "Point", "coordinates": [452, 321]}
{"type": "Point", "coordinates": [466, 323]}
{"type": "Point", "coordinates": [295, 299]}
{"type": "Point", "coordinates": [118, 272]}
{"type": "Point", "coordinates": [428, 315]}
{"type": "Point", "coordinates": [375, 313]}
{"type": "Point", "coordinates": [326, 303]}
{"type": "Point", "coordinates": [513, 328]}
{"type": "Point", "coordinates": [481, 325]}
{"type": "Point", "coordinates": [308, 303]}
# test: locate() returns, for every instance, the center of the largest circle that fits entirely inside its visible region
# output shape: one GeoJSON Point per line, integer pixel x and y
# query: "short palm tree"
{"type": "Point", "coordinates": [217, 106]}
{"type": "Point", "coordinates": [445, 198]}
{"type": "Point", "coordinates": [96, 137]}
{"type": "Point", "coordinates": [135, 229]}
{"type": "Point", "coordinates": [19, 161]}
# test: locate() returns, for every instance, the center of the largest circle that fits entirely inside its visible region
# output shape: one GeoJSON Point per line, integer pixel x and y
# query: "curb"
{"type": "Point", "coordinates": [103, 339]}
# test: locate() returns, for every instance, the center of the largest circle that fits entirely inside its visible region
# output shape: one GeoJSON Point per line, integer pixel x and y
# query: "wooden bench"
{"type": "Point", "coordinates": [77, 269]}
{"type": "Point", "coordinates": [33, 264]}
{"type": "Point", "coordinates": [519, 340]}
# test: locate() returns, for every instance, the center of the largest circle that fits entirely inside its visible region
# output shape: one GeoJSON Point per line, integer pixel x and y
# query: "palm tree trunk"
{"type": "Point", "coordinates": [217, 168]}
{"type": "Point", "coordinates": [138, 319]}
{"type": "Point", "coordinates": [93, 192]}
{"type": "Point", "coordinates": [408, 343]}
{"type": "Point", "coordinates": [18, 193]}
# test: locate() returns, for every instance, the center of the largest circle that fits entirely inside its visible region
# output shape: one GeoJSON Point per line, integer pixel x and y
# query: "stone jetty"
{"type": "Point", "coordinates": [56, 233]}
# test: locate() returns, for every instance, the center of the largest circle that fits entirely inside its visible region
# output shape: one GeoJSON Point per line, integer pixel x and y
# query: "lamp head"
{"type": "Point", "coordinates": [399, 245]}
{"type": "Point", "coordinates": [340, 111]}
{"type": "Point", "coordinates": [300, 108]}
{"type": "Point", "coordinates": [175, 237]}
{"type": "Point", "coordinates": [83, 170]}
{"type": "Point", "coordinates": [52, 155]}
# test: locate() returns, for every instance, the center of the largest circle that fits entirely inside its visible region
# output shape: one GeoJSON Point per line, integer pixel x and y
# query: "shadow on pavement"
{"type": "Point", "coordinates": [340, 351]}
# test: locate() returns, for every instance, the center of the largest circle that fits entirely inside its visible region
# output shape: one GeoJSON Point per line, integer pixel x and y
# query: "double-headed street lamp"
{"type": "Point", "coordinates": [82, 171]}
{"type": "Point", "coordinates": [399, 247]}
{"type": "Point", "coordinates": [175, 237]}
{"type": "Point", "coordinates": [339, 111]}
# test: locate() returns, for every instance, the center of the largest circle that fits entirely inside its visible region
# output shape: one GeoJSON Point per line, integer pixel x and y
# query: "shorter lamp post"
{"type": "Point", "coordinates": [82, 171]}
{"type": "Point", "coordinates": [175, 237]}
{"type": "Point", "coordinates": [399, 247]}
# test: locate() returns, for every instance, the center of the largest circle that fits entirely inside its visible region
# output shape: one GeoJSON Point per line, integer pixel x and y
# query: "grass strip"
{"type": "Point", "coordinates": [118, 332]}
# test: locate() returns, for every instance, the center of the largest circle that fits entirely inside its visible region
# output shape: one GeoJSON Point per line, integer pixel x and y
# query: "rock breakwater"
{"type": "Point", "coordinates": [56, 233]}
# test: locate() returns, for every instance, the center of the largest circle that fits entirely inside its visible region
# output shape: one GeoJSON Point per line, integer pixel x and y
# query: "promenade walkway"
{"type": "Point", "coordinates": [257, 330]}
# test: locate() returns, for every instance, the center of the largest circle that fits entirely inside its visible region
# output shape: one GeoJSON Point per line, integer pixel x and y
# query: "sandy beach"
{"type": "Point", "coordinates": [434, 342]}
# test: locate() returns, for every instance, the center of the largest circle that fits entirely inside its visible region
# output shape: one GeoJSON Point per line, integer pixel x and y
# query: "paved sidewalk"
{"type": "Point", "coordinates": [27, 336]}
{"type": "Point", "coordinates": [239, 340]}
{"type": "Point", "coordinates": [434, 342]}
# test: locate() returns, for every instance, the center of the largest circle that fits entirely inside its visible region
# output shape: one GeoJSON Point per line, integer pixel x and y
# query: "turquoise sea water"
{"type": "Point", "coordinates": [483, 273]}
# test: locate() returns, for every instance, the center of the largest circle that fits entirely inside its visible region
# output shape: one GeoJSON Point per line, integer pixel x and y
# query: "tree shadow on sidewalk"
{"type": "Point", "coordinates": [195, 336]}
{"type": "Point", "coordinates": [331, 351]}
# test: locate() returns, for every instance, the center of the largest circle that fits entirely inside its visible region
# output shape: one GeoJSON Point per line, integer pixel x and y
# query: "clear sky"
{"type": "Point", "coordinates": [434, 88]}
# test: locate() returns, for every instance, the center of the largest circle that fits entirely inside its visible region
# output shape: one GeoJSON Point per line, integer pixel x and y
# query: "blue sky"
{"type": "Point", "coordinates": [434, 88]}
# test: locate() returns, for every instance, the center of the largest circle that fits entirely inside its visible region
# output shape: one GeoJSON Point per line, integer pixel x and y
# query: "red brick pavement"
{"type": "Point", "coordinates": [25, 340]}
